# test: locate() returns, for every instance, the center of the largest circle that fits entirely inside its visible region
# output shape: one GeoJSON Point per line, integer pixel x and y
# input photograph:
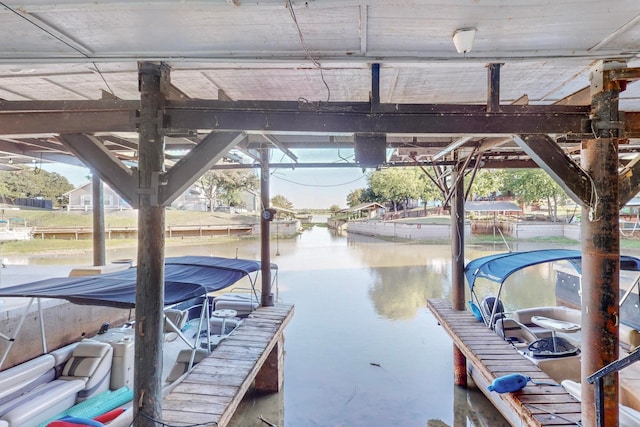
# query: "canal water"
{"type": "Point", "coordinates": [362, 349]}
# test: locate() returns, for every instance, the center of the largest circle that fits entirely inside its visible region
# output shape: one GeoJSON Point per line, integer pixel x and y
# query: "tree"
{"type": "Point", "coordinates": [280, 201]}
{"type": "Point", "coordinates": [334, 208]}
{"type": "Point", "coordinates": [488, 183]}
{"type": "Point", "coordinates": [30, 183]}
{"type": "Point", "coordinates": [397, 185]}
{"type": "Point", "coordinates": [533, 185]}
{"type": "Point", "coordinates": [354, 198]}
{"type": "Point", "coordinates": [226, 186]}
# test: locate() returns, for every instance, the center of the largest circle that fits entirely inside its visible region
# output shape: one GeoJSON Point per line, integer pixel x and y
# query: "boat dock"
{"type": "Point", "coordinates": [84, 233]}
{"type": "Point", "coordinates": [210, 394]}
{"type": "Point", "coordinates": [491, 357]}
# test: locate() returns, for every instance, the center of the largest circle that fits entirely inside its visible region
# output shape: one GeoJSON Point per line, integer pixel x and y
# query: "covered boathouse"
{"type": "Point", "coordinates": [149, 95]}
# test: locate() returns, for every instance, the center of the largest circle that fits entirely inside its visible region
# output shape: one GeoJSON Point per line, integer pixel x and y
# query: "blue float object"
{"type": "Point", "coordinates": [509, 383]}
{"type": "Point", "coordinates": [476, 311]}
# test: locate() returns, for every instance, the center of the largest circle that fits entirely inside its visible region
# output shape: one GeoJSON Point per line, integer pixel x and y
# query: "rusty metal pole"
{"type": "Point", "coordinates": [457, 266]}
{"type": "Point", "coordinates": [98, 220]}
{"type": "Point", "coordinates": [147, 395]}
{"type": "Point", "coordinates": [265, 231]}
{"type": "Point", "coordinates": [601, 250]}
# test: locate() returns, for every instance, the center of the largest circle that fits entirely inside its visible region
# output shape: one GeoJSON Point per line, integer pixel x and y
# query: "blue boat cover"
{"type": "Point", "coordinates": [186, 277]}
{"type": "Point", "coordinates": [499, 267]}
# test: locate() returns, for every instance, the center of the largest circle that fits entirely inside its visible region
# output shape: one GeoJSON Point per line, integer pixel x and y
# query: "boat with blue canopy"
{"type": "Point", "coordinates": [549, 336]}
{"type": "Point", "coordinates": [100, 367]}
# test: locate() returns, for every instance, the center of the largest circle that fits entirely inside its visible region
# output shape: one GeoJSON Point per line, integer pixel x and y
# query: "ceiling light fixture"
{"type": "Point", "coordinates": [463, 39]}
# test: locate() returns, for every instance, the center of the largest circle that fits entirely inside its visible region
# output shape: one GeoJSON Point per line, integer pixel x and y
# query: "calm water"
{"type": "Point", "coordinates": [362, 348]}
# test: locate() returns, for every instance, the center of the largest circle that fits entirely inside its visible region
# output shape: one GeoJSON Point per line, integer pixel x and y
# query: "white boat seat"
{"type": "Point", "coordinates": [243, 303]}
{"type": "Point", "coordinates": [215, 326]}
{"type": "Point", "coordinates": [24, 377]}
{"type": "Point", "coordinates": [515, 332]}
{"type": "Point", "coordinates": [178, 318]}
{"type": "Point", "coordinates": [61, 356]}
{"type": "Point", "coordinates": [559, 313]}
{"type": "Point", "coordinates": [91, 363]}
{"type": "Point", "coordinates": [41, 403]}
{"type": "Point", "coordinates": [182, 363]}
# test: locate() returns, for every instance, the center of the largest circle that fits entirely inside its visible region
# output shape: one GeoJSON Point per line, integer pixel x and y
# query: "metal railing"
{"type": "Point", "coordinates": [596, 379]}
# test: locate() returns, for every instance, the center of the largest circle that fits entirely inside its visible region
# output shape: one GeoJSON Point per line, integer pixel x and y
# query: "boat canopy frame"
{"type": "Point", "coordinates": [186, 278]}
{"type": "Point", "coordinates": [499, 267]}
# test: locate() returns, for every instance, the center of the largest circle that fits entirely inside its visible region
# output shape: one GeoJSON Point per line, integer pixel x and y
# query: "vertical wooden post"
{"type": "Point", "coordinates": [601, 250]}
{"type": "Point", "coordinates": [457, 266]}
{"type": "Point", "coordinates": [493, 89]}
{"type": "Point", "coordinates": [265, 230]}
{"type": "Point", "coordinates": [150, 278]}
{"type": "Point", "coordinates": [271, 375]}
{"type": "Point", "coordinates": [98, 220]}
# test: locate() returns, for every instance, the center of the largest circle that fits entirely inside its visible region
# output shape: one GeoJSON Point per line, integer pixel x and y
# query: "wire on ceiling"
{"type": "Point", "coordinates": [57, 37]}
{"type": "Point", "coordinates": [292, 12]}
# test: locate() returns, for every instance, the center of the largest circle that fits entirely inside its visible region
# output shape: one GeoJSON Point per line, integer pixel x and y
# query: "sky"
{"type": "Point", "coordinates": [304, 187]}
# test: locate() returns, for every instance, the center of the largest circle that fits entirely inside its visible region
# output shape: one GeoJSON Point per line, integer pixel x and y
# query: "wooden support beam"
{"type": "Point", "coordinates": [150, 272]}
{"type": "Point", "coordinates": [35, 122]}
{"type": "Point", "coordinates": [102, 162]}
{"type": "Point", "coordinates": [493, 88]}
{"type": "Point", "coordinates": [200, 159]}
{"type": "Point", "coordinates": [441, 119]}
{"type": "Point", "coordinates": [567, 174]}
{"type": "Point", "coordinates": [375, 87]}
{"type": "Point", "coordinates": [270, 377]}
{"type": "Point", "coordinates": [629, 181]}
{"type": "Point", "coordinates": [97, 202]}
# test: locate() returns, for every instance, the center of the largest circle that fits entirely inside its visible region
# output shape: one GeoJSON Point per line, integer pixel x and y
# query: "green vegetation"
{"type": "Point", "coordinates": [33, 183]}
{"type": "Point", "coordinates": [127, 218]}
{"type": "Point", "coordinates": [222, 187]}
{"type": "Point", "coordinates": [280, 201]}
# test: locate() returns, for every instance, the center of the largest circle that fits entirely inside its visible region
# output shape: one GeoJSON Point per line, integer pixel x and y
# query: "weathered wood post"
{"type": "Point", "coordinates": [147, 396]}
{"type": "Point", "coordinates": [97, 200]}
{"type": "Point", "coordinates": [265, 230]}
{"type": "Point", "coordinates": [601, 247]}
{"type": "Point", "coordinates": [457, 266]}
{"type": "Point", "coordinates": [270, 377]}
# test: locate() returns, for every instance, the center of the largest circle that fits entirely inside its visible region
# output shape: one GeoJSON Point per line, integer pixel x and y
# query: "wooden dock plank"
{"type": "Point", "coordinates": [211, 393]}
{"type": "Point", "coordinates": [492, 357]}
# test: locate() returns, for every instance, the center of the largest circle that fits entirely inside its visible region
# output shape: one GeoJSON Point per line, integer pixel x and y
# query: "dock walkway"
{"type": "Point", "coordinates": [491, 357]}
{"type": "Point", "coordinates": [211, 393]}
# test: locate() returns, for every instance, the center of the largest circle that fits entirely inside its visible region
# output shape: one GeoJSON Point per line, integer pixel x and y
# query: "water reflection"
{"type": "Point", "coordinates": [362, 348]}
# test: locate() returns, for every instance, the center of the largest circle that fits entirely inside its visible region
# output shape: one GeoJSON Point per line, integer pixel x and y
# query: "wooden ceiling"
{"type": "Point", "coordinates": [301, 60]}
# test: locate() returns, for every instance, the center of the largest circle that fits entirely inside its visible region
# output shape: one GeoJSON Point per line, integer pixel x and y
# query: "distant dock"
{"type": "Point", "coordinates": [84, 233]}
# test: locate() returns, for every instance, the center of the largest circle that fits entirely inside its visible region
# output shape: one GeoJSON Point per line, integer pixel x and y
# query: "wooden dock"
{"type": "Point", "coordinates": [491, 357]}
{"type": "Point", "coordinates": [211, 393]}
{"type": "Point", "coordinates": [171, 231]}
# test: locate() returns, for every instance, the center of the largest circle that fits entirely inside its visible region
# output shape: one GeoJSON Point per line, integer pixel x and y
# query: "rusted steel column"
{"type": "Point", "coordinates": [457, 266]}
{"type": "Point", "coordinates": [98, 220]}
{"type": "Point", "coordinates": [265, 230]}
{"type": "Point", "coordinates": [150, 276]}
{"type": "Point", "coordinates": [601, 252]}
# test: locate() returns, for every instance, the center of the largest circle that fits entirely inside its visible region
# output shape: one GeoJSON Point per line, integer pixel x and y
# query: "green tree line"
{"type": "Point", "coordinates": [395, 187]}
{"type": "Point", "coordinates": [33, 183]}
